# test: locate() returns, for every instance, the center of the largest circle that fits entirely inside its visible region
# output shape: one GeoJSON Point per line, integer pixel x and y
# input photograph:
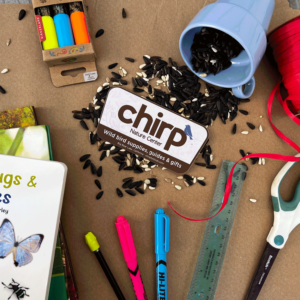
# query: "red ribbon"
{"type": "Point", "coordinates": [285, 42]}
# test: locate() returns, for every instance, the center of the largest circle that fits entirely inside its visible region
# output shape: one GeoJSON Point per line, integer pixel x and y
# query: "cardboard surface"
{"type": "Point", "coordinates": [153, 28]}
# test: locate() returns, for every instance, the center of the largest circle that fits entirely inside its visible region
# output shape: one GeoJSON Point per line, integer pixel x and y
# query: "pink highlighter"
{"type": "Point", "coordinates": [129, 252]}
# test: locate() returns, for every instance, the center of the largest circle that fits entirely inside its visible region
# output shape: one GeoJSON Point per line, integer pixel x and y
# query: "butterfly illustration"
{"type": "Point", "coordinates": [21, 250]}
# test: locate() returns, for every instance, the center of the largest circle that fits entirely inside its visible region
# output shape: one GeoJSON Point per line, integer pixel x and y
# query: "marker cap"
{"type": "Point", "coordinates": [162, 232]}
{"type": "Point", "coordinates": [92, 242]}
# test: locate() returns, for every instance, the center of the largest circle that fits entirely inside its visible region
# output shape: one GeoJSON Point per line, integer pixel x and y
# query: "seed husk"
{"type": "Point", "coordinates": [234, 129]}
{"type": "Point", "coordinates": [245, 132]}
{"type": "Point", "coordinates": [186, 183]}
{"type": "Point", "coordinates": [253, 200]}
{"type": "Point", "coordinates": [168, 180]}
{"type": "Point", "coordinates": [93, 169]}
{"type": "Point", "coordinates": [22, 14]}
{"type": "Point", "coordinates": [260, 128]}
{"type": "Point", "coordinates": [8, 42]}
{"type": "Point", "coordinates": [87, 164]}
{"type": "Point", "coordinates": [84, 157]}
{"type": "Point", "coordinates": [130, 59]}
{"type": "Point", "coordinates": [200, 178]}
{"type": "Point", "coordinates": [103, 155]}
{"type": "Point", "coordinates": [263, 161]}
{"type": "Point", "coordinates": [151, 187]}
{"type": "Point", "coordinates": [119, 193]}
{"type": "Point", "coordinates": [83, 124]}
{"type": "Point", "coordinates": [99, 195]}
{"type": "Point", "coordinates": [99, 171]}
{"type": "Point", "coordinates": [130, 192]}
{"type": "Point", "coordinates": [99, 33]}
{"type": "Point", "coordinates": [244, 112]}
{"type": "Point", "coordinates": [2, 90]}
{"type": "Point", "coordinates": [178, 187]}
{"type": "Point", "coordinates": [124, 13]}
{"type": "Point", "coordinates": [211, 167]}
{"type": "Point", "coordinates": [141, 191]}
{"type": "Point", "coordinates": [98, 184]}
{"type": "Point", "coordinates": [4, 71]}
{"type": "Point", "coordinates": [112, 65]}
{"type": "Point", "coordinates": [201, 182]}
{"type": "Point", "coordinates": [251, 126]}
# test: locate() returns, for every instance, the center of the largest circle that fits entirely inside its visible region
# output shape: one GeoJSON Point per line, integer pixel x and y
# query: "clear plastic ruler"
{"type": "Point", "coordinates": [216, 236]}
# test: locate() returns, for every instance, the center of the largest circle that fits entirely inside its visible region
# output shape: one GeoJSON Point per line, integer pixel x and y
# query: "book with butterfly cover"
{"type": "Point", "coordinates": [31, 195]}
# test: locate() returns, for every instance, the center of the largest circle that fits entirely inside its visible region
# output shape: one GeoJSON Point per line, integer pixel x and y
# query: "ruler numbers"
{"type": "Point", "coordinates": [217, 233]}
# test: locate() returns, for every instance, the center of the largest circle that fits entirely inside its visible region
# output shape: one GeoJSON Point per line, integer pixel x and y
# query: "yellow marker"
{"type": "Point", "coordinates": [51, 40]}
{"type": "Point", "coordinates": [93, 244]}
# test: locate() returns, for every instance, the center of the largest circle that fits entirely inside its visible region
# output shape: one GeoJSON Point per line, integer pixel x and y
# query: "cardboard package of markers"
{"type": "Point", "coordinates": [66, 42]}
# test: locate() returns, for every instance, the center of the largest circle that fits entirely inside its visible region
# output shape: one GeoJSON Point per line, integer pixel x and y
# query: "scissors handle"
{"type": "Point", "coordinates": [286, 214]}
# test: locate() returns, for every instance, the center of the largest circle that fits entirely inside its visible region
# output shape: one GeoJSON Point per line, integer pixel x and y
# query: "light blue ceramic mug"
{"type": "Point", "coordinates": [247, 21]}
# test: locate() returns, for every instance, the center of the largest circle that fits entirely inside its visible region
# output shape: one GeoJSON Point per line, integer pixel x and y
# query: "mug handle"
{"type": "Point", "coordinates": [248, 91]}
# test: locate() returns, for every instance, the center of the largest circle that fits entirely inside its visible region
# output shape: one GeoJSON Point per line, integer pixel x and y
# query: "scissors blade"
{"type": "Point", "coordinates": [262, 271]}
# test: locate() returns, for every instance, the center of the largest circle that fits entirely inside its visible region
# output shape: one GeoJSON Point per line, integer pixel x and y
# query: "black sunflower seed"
{"type": "Point", "coordinates": [126, 184]}
{"type": "Point", "coordinates": [103, 155]}
{"type": "Point", "coordinates": [122, 166]}
{"type": "Point", "coordinates": [134, 82]}
{"type": "Point", "coordinates": [116, 75]}
{"type": "Point", "coordinates": [130, 192]}
{"type": "Point", "coordinates": [99, 172]}
{"type": "Point", "coordinates": [251, 126]}
{"type": "Point", "coordinates": [93, 169]}
{"type": "Point", "coordinates": [188, 177]}
{"type": "Point", "coordinates": [141, 191]}
{"type": "Point", "coordinates": [99, 195]}
{"type": "Point", "coordinates": [98, 184]}
{"type": "Point", "coordinates": [244, 174]}
{"type": "Point", "coordinates": [119, 193]}
{"type": "Point", "coordinates": [2, 90]}
{"type": "Point", "coordinates": [127, 179]}
{"type": "Point", "coordinates": [83, 124]}
{"type": "Point", "coordinates": [201, 164]}
{"type": "Point", "coordinates": [244, 112]}
{"type": "Point", "coordinates": [123, 13]}
{"type": "Point", "coordinates": [78, 117]}
{"type": "Point", "coordinates": [211, 167]}
{"type": "Point", "coordinates": [99, 33]}
{"type": "Point", "coordinates": [123, 82]}
{"type": "Point", "coordinates": [130, 59]}
{"type": "Point", "coordinates": [101, 147]}
{"type": "Point", "coordinates": [242, 153]}
{"type": "Point", "coordinates": [128, 168]}
{"type": "Point", "coordinates": [133, 184]}
{"type": "Point", "coordinates": [137, 90]}
{"type": "Point", "coordinates": [112, 65]}
{"type": "Point", "coordinates": [22, 14]}
{"type": "Point", "coordinates": [87, 164]}
{"type": "Point", "coordinates": [234, 129]}
{"type": "Point", "coordinates": [84, 157]}
{"type": "Point", "coordinates": [201, 182]}
{"type": "Point", "coordinates": [254, 160]}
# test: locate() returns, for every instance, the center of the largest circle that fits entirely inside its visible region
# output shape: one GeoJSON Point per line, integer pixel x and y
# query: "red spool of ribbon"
{"type": "Point", "coordinates": [285, 43]}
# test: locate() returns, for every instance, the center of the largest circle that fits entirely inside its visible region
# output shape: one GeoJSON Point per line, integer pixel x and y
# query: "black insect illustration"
{"type": "Point", "coordinates": [18, 290]}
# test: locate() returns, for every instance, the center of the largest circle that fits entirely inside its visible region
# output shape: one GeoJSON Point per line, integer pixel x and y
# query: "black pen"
{"type": "Point", "coordinates": [93, 244]}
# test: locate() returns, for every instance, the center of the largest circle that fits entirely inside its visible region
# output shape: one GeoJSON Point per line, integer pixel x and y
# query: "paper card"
{"type": "Point", "coordinates": [151, 131]}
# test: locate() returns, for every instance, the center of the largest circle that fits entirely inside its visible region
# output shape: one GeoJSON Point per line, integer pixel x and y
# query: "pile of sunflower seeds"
{"type": "Point", "coordinates": [169, 85]}
{"type": "Point", "coordinates": [212, 51]}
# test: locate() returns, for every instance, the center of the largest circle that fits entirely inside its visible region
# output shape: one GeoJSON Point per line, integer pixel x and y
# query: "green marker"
{"type": "Point", "coordinates": [93, 244]}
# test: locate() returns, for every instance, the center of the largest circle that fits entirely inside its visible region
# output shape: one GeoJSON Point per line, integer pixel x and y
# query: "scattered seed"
{"type": "Point", "coordinates": [200, 178]}
{"type": "Point", "coordinates": [259, 161]}
{"type": "Point", "coordinates": [211, 157]}
{"type": "Point", "coordinates": [234, 129]}
{"type": "Point", "coordinates": [119, 192]}
{"type": "Point", "coordinates": [84, 157]}
{"type": "Point", "coordinates": [253, 200]}
{"type": "Point", "coordinates": [4, 71]}
{"type": "Point", "coordinates": [99, 33]}
{"type": "Point", "coordinates": [141, 191]}
{"type": "Point", "coordinates": [251, 126]}
{"type": "Point", "coordinates": [137, 90]}
{"type": "Point", "coordinates": [201, 164]}
{"type": "Point", "coordinates": [130, 192]}
{"type": "Point", "coordinates": [145, 186]}
{"type": "Point", "coordinates": [179, 177]}
{"type": "Point", "coordinates": [168, 180]}
{"type": "Point", "coordinates": [151, 187]}
{"type": "Point", "coordinates": [211, 167]}
{"type": "Point", "coordinates": [99, 195]}
{"type": "Point", "coordinates": [99, 89]}
{"type": "Point", "coordinates": [99, 171]}
{"type": "Point", "coordinates": [2, 90]}
{"type": "Point", "coordinates": [203, 75]}
{"type": "Point", "coordinates": [22, 14]}
{"type": "Point", "coordinates": [186, 183]}
{"type": "Point", "coordinates": [242, 153]}
{"type": "Point", "coordinates": [244, 112]}
{"type": "Point", "coordinates": [83, 124]}
{"type": "Point", "coordinates": [260, 128]}
{"type": "Point", "coordinates": [201, 182]}
{"type": "Point", "coordinates": [112, 65]}
{"type": "Point", "coordinates": [263, 161]}
{"type": "Point", "coordinates": [8, 42]}
{"type": "Point", "coordinates": [103, 155]}
{"type": "Point", "coordinates": [124, 13]}
{"type": "Point", "coordinates": [127, 179]}
{"type": "Point", "coordinates": [98, 184]}
{"type": "Point", "coordinates": [244, 132]}
{"type": "Point", "coordinates": [178, 187]}
{"type": "Point", "coordinates": [116, 75]}
{"type": "Point", "coordinates": [87, 164]}
{"type": "Point", "coordinates": [130, 59]}
{"type": "Point", "coordinates": [93, 169]}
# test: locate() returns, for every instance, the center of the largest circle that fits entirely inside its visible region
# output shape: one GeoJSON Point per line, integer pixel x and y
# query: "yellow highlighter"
{"type": "Point", "coordinates": [51, 41]}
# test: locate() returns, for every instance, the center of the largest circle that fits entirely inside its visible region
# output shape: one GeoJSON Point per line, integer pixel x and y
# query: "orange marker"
{"type": "Point", "coordinates": [78, 22]}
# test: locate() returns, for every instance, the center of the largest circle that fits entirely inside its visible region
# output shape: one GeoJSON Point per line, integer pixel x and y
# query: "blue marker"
{"type": "Point", "coordinates": [162, 239]}
{"type": "Point", "coordinates": [63, 26]}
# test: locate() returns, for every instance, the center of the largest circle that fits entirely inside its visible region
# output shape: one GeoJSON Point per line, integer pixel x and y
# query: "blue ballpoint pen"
{"type": "Point", "coordinates": [162, 238]}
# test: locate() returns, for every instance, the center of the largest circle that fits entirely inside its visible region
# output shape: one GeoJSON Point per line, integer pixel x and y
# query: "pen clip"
{"type": "Point", "coordinates": [167, 232]}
